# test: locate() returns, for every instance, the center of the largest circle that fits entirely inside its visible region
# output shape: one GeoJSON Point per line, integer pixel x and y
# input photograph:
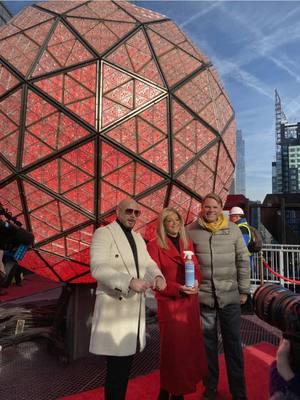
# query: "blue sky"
{"type": "Point", "coordinates": [255, 48]}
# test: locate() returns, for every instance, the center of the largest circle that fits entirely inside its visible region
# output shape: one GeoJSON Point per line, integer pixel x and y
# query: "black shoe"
{"type": "Point", "coordinates": [209, 394]}
{"type": "Point", "coordinates": [163, 395]}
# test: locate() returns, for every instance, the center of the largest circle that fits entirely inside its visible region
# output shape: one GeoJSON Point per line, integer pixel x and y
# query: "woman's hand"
{"type": "Point", "coordinates": [190, 290]}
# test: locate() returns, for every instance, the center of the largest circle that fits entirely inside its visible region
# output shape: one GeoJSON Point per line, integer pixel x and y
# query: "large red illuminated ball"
{"type": "Point", "coordinates": [99, 101]}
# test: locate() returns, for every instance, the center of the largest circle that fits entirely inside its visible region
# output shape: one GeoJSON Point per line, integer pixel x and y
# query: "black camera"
{"type": "Point", "coordinates": [280, 307]}
{"type": "Point", "coordinates": [12, 236]}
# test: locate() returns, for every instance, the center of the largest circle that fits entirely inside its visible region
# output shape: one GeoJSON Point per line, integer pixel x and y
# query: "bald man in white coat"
{"type": "Point", "coordinates": [124, 271]}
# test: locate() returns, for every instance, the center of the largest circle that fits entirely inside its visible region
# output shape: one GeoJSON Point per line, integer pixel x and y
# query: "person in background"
{"type": "Point", "coordinates": [224, 260]}
{"type": "Point", "coordinates": [284, 384]}
{"type": "Point", "coordinates": [237, 216]}
{"type": "Point", "coordinates": [123, 270]}
{"type": "Point", "coordinates": [182, 353]}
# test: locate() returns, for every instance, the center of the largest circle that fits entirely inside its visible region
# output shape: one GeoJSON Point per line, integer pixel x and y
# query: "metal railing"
{"type": "Point", "coordinates": [283, 259]}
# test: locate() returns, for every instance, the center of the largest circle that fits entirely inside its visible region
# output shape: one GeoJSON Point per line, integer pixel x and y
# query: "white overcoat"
{"type": "Point", "coordinates": [119, 313]}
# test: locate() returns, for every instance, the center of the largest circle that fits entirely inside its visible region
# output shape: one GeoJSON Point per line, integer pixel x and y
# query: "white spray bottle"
{"type": "Point", "coordinates": [189, 269]}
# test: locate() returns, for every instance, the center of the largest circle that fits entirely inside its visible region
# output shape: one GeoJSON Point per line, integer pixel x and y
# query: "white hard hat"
{"type": "Point", "coordinates": [236, 211]}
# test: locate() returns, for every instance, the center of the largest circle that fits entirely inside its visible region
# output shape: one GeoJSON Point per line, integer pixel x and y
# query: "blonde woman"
{"type": "Point", "coordinates": [182, 355]}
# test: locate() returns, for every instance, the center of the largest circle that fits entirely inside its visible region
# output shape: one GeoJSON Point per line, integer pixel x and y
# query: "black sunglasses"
{"type": "Point", "coordinates": [130, 211]}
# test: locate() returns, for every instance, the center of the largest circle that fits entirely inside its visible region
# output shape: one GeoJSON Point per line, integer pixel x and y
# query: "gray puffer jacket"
{"type": "Point", "coordinates": [224, 262]}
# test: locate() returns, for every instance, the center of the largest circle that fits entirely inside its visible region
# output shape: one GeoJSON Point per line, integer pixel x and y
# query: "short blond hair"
{"type": "Point", "coordinates": [161, 230]}
{"type": "Point", "coordinates": [213, 196]}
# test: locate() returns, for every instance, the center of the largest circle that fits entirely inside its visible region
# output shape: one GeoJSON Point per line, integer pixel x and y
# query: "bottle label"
{"type": "Point", "coordinates": [189, 274]}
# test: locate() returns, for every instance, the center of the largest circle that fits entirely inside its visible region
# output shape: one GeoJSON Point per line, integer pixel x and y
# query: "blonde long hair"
{"type": "Point", "coordinates": [161, 230]}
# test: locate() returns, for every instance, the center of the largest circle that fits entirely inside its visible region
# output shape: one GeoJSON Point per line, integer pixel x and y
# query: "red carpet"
{"type": "Point", "coordinates": [257, 361]}
{"type": "Point", "coordinates": [31, 284]}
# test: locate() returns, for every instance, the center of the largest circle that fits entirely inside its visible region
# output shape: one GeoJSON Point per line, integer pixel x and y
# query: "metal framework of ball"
{"type": "Point", "coordinates": [101, 100]}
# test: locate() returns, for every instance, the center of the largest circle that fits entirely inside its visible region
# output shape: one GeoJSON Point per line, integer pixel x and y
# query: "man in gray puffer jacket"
{"type": "Point", "coordinates": [224, 263]}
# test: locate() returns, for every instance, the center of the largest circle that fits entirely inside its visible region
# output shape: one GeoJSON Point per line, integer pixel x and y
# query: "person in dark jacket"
{"type": "Point", "coordinates": [224, 260]}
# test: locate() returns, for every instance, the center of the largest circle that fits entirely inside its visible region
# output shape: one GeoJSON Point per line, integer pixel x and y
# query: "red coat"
{"type": "Point", "coordinates": [182, 353]}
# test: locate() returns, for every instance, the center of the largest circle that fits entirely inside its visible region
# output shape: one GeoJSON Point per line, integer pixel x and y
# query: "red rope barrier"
{"type": "Point", "coordinates": [280, 276]}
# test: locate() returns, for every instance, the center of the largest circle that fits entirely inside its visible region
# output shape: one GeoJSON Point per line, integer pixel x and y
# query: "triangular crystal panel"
{"type": "Point", "coordinates": [112, 159]}
{"type": "Point", "coordinates": [155, 201]}
{"type": "Point", "coordinates": [35, 196]}
{"type": "Point", "coordinates": [110, 196]}
{"type": "Point", "coordinates": [30, 16]}
{"type": "Point", "coordinates": [182, 155]}
{"type": "Point", "coordinates": [198, 178]}
{"type": "Point", "coordinates": [123, 94]}
{"type": "Point", "coordinates": [135, 55]}
{"type": "Point", "coordinates": [20, 50]}
{"type": "Point", "coordinates": [140, 13]}
{"type": "Point", "coordinates": [223, 110]}
{"type": "Point", "coordinates": [101, 35]}
{"type": "Point", "coordinates": [79, 241]}
{"type": "Point", "coordinates": [63, 50]}
{"type": "Point", "coordinates": [47, 129]}
{"type": "Point", "coordinates": [4, 171]}
{"type": "Point", "coordinates": [7, 80]}
{"type": "Point", "coordinates": [180, 200]}
{"type": "Point", "coordinates": [158, 155]}
{"type": "Point", "coordinates": [8, 30]}
{"type": "Point", "coordinates": [56, 218]}
{"type": "Point", "coordinates": [39, 32]}
{"type": "Point", "coordinates": [208, 114]}
{"type": "Point", "coordinates": [68, 270]}
{"type": "Point", "coordinates": [194, 211]}
{"type": "Point", "coordinates": [11, 108]}
{"type": "Point", "coordinates": [9, 145]}
{"type": "Point", "coordinates": [188, 130]}
{"type": "Point", "coordinates": [70, 175]}
{"type": "Point", "coordinates": [133, 178]}
{"type": "Point", "coordinates": [196, 93]}
{"type": "Point", "coordinates": [83, 196]}
{"type": "Point", "coordinates": [225, 166]}
{"type": "Point", "coordinates": [170, 31]}
{"type": "Point", "coordinates": [123, 178]}
{"type": "Point", "coordinates": [177, 65]}
{"type": "Point", "coordinates": [147, 135]}
{"type": "Point", "coordinates": [10, 198]}
{"type": "Point", "coordinates": [102, 9]}
{"type": "Point", "coordinates": [125, 134]}
{"type": "Point", "coordinates": [35, 263]}
{"type": "Point", "coordinates": [60, 6]}
{"type": "Point", "coordinates": [56, 247]}
{"type": "Point", "coordinates": [147, 217]}
{"type": "Point", "coordinates": [229, 139]}
{"type": "Point", "coordinates": [145, 179]}
{"type": "Point", "coordinates": [209, 158]}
